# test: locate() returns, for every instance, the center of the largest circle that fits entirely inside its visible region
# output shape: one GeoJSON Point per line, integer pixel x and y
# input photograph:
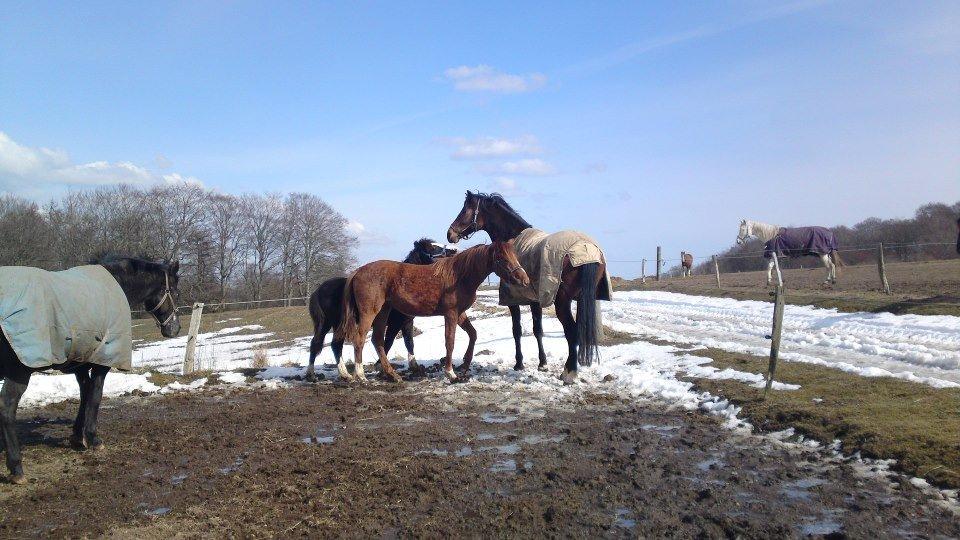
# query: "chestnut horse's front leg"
{"type": "Point", "coordinates": [450, 332]}
{"type": "Point", "coordinates": [472, 334]}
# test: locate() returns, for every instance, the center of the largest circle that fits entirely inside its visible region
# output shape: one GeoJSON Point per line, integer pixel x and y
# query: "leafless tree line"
{"type": "Point", "coordinates": [904, 240]}
{"type": "Point", "coordinates": [248, 247]}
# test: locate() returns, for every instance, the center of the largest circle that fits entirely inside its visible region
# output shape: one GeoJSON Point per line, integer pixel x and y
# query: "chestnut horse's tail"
{"type": "Point", "coordinates": [588, 315]}
{"type": "Point", "coordinates": [351, 314]}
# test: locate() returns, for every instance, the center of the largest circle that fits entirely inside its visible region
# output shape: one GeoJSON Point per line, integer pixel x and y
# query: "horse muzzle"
{"type": "Point", "coordinates": [171, 329]}
{"type": "Point", "coordinates": [452, 236]}
{"type": "Point", "coordinates": [520, 277]}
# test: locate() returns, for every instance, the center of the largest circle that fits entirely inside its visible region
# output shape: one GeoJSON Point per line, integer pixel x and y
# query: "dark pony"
{"type": "Point", "coordinates": [147, 284]}
{"type": "Point", "coordinates": [326, 307]}
{"type": "Point", "coordinates": [491, 213]}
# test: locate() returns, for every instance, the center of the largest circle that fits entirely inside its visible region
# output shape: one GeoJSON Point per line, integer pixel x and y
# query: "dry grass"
{"type": "Point", "coordinates": [880, 417]}
{"type": "Point", "coordinates": [923, 288]}
{"type": "Point", "coordinates": [260, 359]}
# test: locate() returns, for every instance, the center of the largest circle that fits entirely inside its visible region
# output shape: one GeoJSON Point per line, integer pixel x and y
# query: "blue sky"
{"type": "Point", "coordinates": [639, 123]}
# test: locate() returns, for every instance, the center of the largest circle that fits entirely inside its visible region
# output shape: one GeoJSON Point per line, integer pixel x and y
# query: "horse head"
{"type": "Point", "coordinates": [745, 231]}
{"type": "Point", "coordinates": [427, 251]}
{"type": "Point", "coordinates": [162, 297]}
{"type": "Point", "coordinates": [506, 265]}
{"type": "Point", "coordinates": [469, 220]}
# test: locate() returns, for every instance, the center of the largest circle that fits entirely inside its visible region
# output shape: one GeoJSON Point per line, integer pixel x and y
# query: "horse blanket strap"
{"type": "Point", "coordinates": [800, 241]}
{"type": "Point", "coordinates": [541, 255]}
{"type": "Point", "coordinates": [79, 315]}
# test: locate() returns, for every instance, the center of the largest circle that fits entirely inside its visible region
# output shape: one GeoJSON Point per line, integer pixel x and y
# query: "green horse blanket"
{"type": "Point", "coordinates": [541, 255]}
{"type": "Point", "coordinates": [79, 315]}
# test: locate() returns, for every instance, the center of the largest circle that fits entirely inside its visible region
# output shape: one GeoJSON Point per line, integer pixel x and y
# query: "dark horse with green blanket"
{"type": "Point", "coordinates": [75, 321]}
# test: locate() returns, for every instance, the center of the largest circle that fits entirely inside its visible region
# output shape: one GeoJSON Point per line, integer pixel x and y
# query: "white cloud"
{"type": "Point", "coordinates": [492, 147]}
{"type": "Point", "coordinates": [366, 236]}
{"type": "Point", "coordinates": [483, 78]}
{"type": "Point", "coordinates": [23, 168]}
{"type": "Point", "coordinates": [522, 167]}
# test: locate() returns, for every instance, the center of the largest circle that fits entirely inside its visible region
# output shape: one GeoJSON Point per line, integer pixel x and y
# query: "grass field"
{"type": "Point", "coordinates": [924, 288]}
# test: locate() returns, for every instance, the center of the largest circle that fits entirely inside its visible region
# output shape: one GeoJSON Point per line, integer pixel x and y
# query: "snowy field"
{"type": "Point", "coordinates": [914, 347]}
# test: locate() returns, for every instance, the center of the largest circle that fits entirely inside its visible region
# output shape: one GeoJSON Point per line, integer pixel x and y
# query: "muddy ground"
{"type": "Point", "coordinates": [436, 460]}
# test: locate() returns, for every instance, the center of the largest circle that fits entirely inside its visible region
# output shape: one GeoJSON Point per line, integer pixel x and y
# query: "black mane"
{"type": "Point", "coordinates": [139, 263]}
{"type": "Point", "coordinates": [498, 199]}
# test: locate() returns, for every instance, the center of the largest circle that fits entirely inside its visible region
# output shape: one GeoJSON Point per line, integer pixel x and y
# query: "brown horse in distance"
{"type": "Point", "coordinates": [686, 264]}
{"type": "Point", "coordinates": [446, 288]}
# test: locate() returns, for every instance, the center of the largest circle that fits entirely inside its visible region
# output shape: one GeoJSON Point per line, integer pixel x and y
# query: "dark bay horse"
{"type": "Point", "coordinates": [447, 288]}
{"type": "Point", "coordinates": [491, 213]}
{"type": "Point", "coordinates": [326, 308]}
{"type": "Point", "coordinates": [958, 235]}
{"type": "Point", "coordinates": [146, 283]}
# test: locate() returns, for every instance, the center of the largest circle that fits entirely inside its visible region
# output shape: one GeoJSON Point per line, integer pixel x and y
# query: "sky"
{"type": "Point", "coordinates": [639, 123]}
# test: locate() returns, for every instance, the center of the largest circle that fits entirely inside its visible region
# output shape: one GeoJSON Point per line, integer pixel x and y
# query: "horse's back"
{"type": "Point", "coordinates": [80, 315]}
{"type": "Point", "coordinates": [542, 256]}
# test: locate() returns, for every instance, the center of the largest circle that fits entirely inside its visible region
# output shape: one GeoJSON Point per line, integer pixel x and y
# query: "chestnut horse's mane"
{"type": "Point", "coordinates": [451, 267]}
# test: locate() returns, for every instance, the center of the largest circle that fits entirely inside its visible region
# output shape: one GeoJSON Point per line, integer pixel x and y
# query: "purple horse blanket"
{"type": "Point", "coordinates": [800, 241]}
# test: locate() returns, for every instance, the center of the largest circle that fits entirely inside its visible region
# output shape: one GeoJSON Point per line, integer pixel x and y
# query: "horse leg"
{"type": "Point", "coordinates": [515, 317]}
{"type": "Point", "coordinates": [537, 313]}
{"type": "Point", "coordinates": [769, 271]}
{"type": "Point", "coordinates": [9, 400]}
{"type": "Point", "coordinates": [316, 346]}
{"type": "Point", "coordinates": [94, 394]}
{"type": "Point", "coordinates": [83, 381]}
{"type": "Point", "coordinates": [379, 329]}
{"type": "Point", "coordinates": [450, 332]}
{"type": "Point", "coordinates": [472, 335]}
{"type": "Point", "coordinates": [831, 269]}
{"type": "Point", "coordinates": [569, 332]}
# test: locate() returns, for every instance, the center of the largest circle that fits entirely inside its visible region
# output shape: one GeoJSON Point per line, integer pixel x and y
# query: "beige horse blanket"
{"type": "Point", "coordinates": [541, 255]}
{"type": "Point", "coordinates": [79, 315]}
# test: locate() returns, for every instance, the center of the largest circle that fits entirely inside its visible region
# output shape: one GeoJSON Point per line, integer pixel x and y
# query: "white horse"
{"type": "Point", "coordinates": [767, 232]}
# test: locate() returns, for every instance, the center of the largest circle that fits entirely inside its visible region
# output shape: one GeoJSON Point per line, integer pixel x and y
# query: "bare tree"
{"type": "Point", "coordinates": [226, 225]}
{"type": "Point", "coordinates": [262, 217]}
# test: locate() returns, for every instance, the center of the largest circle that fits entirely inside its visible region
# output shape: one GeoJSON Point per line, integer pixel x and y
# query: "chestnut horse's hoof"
{"type": "Point", "coordinates": [18, 479]}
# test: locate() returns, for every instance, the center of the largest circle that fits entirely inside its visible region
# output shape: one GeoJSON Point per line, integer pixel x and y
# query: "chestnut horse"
{"type": "Point", "coordinates": [686, 264]}
{"type": "Point", "coordinates": [446, 288]}
{"type": "Point", "coordinates": [492, 214]}
{"type": "Point", "coordinates": [326, 308]}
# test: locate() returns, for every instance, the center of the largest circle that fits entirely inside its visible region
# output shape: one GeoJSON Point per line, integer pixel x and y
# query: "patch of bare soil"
{"type": "Point", "coordinates": [432, 459]}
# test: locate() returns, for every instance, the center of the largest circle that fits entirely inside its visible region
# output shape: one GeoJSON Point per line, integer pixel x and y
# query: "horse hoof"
{"type": "Point", "coordinates": [18, 479]}
{"type": "Point", "coordinates": [568, 377]}
{"type": "Point", "coordinates": [518, 366]}
{"type": "Point", "coordinates": [77, 443]}
{"type": "Point", "coordinates": [311, 377]}
{"type": "Point", "coordinates": [97, 446]}
{"type": "Point", "coordinates": [542, 367]}
{"type": "Point", "coordinates": [451, 375]}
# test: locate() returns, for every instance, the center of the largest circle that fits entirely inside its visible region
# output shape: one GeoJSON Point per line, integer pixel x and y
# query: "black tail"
{"type": "Point", "coordinates": [588, 316]}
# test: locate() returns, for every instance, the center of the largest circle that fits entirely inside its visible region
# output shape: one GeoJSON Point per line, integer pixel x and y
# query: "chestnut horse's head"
{"type": "Point", "coordinates": [469, 220]}
{"type": "Point", "coordinates": [506, 265]}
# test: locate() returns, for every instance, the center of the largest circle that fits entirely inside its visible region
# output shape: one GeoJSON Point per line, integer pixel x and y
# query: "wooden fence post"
{"type": "Point", "coordinates": [189, 363]}
{"type": "Point", "coordinates": [659, 263]}
{"type": "Point", "coordinates": [716, 270]}
{"type": "Point", "coordinates": [643, 270]}
{"type": "Point", "coordinates": [882, 268]}
{"type": "Point", "coordinates": [777, 328]}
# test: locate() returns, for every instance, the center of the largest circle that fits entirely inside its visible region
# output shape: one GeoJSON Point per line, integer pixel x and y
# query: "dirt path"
{"type": "Point", "coordinates": [432, 459]}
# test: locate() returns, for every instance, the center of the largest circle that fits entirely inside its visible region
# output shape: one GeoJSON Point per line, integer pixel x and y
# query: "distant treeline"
{"type": "Point", "coordinates": [248, 247]}
{"type": "Point", "coordinates": [904, 240]}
